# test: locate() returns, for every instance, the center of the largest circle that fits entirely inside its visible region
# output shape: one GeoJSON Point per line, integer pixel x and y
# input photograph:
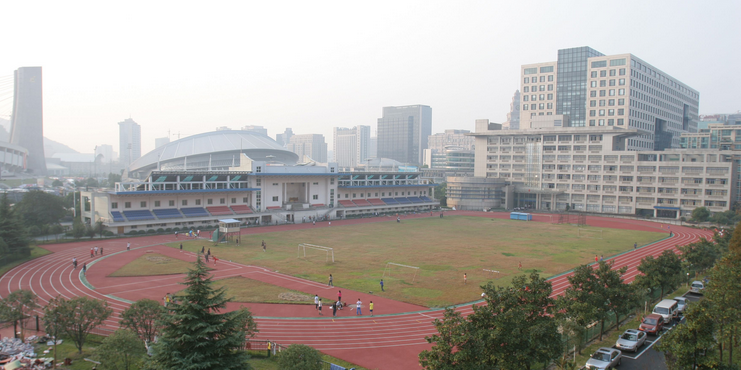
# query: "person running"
{"type": "Point", "coordinates": [209, 252]}
{"type": "Point", "coordinates": [316, 301]}
{"type": "Point", "coordinates": [128, 246]}
{"type": "Point", "coordinates": [334, 308]}
{"type": "Point", "coordinates": [370, 308]}
{"type": "Point", "coordinates": [176, 235]}
{"type": "Point", "coordinates": [382, 286]}
{"type": "Point", "coordinates": [215, 259]}
{"type": "Point", "coordinates": [206, 257]}
{"type": "Point", "coordinates": [330, 281]}
{"type": "Point", "coordinates": [96, 250]}
{"type": "Point", "coordinates": [91, 252]}
{"type": "Point", "coordinates": [181, 247]}
{"type": "Point", "coordinates": [101, 251]}
{"type": "Point", "coordinates": [339, 295]}
{"type": "Point", "coordinates": [203, 249]}
{"type": "Point", "coordinates": [320, 308]}
{"type": "Point", "coordinates": [635, 246]}
{"type": "Point", "coordinates": [358, 304]}
{"type": "Point", "coordinates": [596, 259]}
{"type": "Point", "coordinates": [74, 263]}
{"type": "Point", "coordinates": [84, 268]}
{"type": "Point", "coordinates": [465, 279]}
{"type": "Point", "coordinates": [519, 266]}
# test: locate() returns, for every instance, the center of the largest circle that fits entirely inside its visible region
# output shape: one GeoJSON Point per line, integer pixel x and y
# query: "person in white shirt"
{"type": "Point", "coordinates": [358, 304]}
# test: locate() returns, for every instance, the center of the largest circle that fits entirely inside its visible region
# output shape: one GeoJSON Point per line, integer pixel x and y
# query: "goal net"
{"type": "Point", "coordinates": [397, 268]}
{"type": "Point", "coordinates": [491, 274]}
{"type": "Point", "coordinates": [327, 251]}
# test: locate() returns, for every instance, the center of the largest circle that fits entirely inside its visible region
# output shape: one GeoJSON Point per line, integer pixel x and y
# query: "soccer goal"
{"type": "Point", "coordinates": [327, 250]}
{"type": "Point", "coordinates": [490, 274]}
{"type": "Point", "coordinates": [589, 233]}
{"type": "Point", "coordinates": [391, 265]}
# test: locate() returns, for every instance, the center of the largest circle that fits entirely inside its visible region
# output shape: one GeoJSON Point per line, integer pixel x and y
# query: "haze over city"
{"type": "Point", "coordinates": [313, 66]}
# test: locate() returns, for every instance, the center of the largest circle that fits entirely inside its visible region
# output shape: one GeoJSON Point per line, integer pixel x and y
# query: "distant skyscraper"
{"type": "Point", "coordinates": [373, 148]}
{"type": "Point", "coordinates": [351, 145]}
{"type": "Point", "coordinates": [27, 123]}
{"type": "Point", "coordinates": [403, 133]}
{"type": "Point", "coordinates": [589, 89]}
{"type": "Point", "coordinates": [312, 145]}
{"type": "Point", "coordinates": [129, 141]}
{"type": "Point", "coordinates": [106, 151]}
{"type": "Point", "coordinates": [258, 129]}
{"type": "Point", "coordinates": [285, 137]}
{"type": "Point", "coordinates": [456, 138]}
{"type": "Point", "coordinates": [160, 141]}
{"type": "Point", "coordinates": [513, 117]}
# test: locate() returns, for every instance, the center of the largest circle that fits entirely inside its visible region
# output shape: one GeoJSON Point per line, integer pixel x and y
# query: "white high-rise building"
{"type": "Point", "coordinates": [351, 146]}
{"type": "Point", "coordinates": [311, 145]}
{"type": "Point", "coordinates": [106, 151]}
{"type": "Point", "coordinates": [129, 141]}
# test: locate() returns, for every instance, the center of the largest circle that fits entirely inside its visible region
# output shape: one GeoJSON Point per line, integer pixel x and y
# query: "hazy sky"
{"type": "Point", "coordinates": [189, 67]}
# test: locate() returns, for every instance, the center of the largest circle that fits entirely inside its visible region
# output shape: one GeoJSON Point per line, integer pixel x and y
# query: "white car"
{"type": "Point", "coordinates": [697, 287]}
{"type": "Point", "coordinates": [631, 340]}
{"type": "Point", "coordinates": [682, 303]}
{"type": "Point", "coordinates": [605, 358]}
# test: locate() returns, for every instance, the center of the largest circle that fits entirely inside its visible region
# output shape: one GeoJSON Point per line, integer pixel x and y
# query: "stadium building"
{"type": "Point", "coordinates": [193, 182]}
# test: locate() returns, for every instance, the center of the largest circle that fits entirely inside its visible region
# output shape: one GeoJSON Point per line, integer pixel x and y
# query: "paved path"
{"type": "Point", "coordinates": [391, 340]}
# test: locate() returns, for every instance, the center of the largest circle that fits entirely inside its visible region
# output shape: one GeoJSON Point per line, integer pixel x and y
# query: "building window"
{"type": "Point", "coordinates": [541, 106]}
{"type": "Point", "coordinates": [171, 203]}
{"type": "Point", "coordinates": [550, 96]}
{"type": "Point", "coordinates": [525, 98]}
{"type": "Point", "coordinates": [542, 87]}
{"type": "Point", "coordinates": [316, 183]}
{"type": "Point", "coordinates": [275, 198]}
{"type": "Point", "coordinates": [593, 84]}
{"type": "Point", "coordinates": [611, 122]}
{"type": "Point", "coordinates": [127, 204]}
{"type": "Point", "coordinates": [533, 106]}
{"type": "Point", "coordinates": [612, 72]}
{"type": "Point", "coordinates": [621, 82]}
{"type": "Point", "coordinates": [594, 74]}
{"type": "Point", "coordinates": [244, 200]}
{"type": "Point", "coordinates": [622, 71]}
{"type": "Point", "coordinates": [542, 79]}
{"type": "Point", "coordinates": [222, 200]}
{"type": "Point", "coordinates": [533, 97]}
{"type": "Point", "coordinates": [603, 93]}
{"type": "Point", "coordinates": [527, 80]}
{"type": "Point", "coordinates": [258, 182]}
{"type": "Point", "coordinates": [354, 195]}
{"type": "Point", "coordinates": [591, 122]}
{"type": "Point", "coordinates": [550, 105]}
{"type": "Point", "coordinates": [396, 193]}
{"type": "Point", "coordinates": [234, 200]}
{"type": "Point", "coordinates": [198, 202]}
{"type": "Point", "coordinates": [621, 112]}
{"type": "Point", "coordinates": [620, 121]}
{"type": "Point", "coordinates": [550, 78]}
{"type": "Point", "coordinates": [376, 195]}
{"type": "Point", "coordinates": [612, 82]}
{"type": "Point", "coordinates": [156, 203]}
{"type": "Point", "coordinates": [526, 89]}
{"type": "Point", "coordinates": [525, 107]}
{"type": "Point", "coordinates": [603, 83]}
{"type": "Point", "coordinates": [621, 92]}
{"type": "Point", "coordinates": [602, 103]}
{"type": "Point", "coordinates": [542, 97]}
{"type": "Point", "coordinates": [315, 197]}
{"type": "Point", "coordinates": [601, 122]}
{"type": "Point", "coordinates": [143, 204]}
{"type": "Point", "coordinates": [258, 169]}
{"type": "Point", "coordinates": [601, 112]}
{"type": "Point", "coordinates": [592, 103]}
{"type": "Point", "coordinates": [185, 202]}
{"type": "Point", "coordinates": [209, 201]}
{"type": "Point", "coordinates": [602, 73]}
{"type": "Point", "coordinates": [114, 205]}
{"type": "Point", "coordinates": [612, 92]}
{"type": "Point", "coordinates": [592, 113]}
{"type": "Point", "coordinates": [610, 112]}
{"type": "Point", "coordinates": [621, 101]}
{"type": "Point", "coordinates": [593, 93]}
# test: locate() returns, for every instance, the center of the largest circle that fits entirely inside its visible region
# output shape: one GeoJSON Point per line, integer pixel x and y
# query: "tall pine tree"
{"type": "Point", "coordinates": [197, 334]}
{"type": "Point", "coordinates": [12, 231]}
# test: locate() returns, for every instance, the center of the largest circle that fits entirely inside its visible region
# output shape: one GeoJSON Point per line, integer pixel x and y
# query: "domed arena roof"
{"type": "Point", "coordinates": [213, 151]}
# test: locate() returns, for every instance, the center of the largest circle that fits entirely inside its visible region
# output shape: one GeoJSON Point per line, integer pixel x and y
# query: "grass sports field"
{"type": "Point", "coordinates": [443, 249]}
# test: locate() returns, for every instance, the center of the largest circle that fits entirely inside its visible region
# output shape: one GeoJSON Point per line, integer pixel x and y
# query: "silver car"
{"type": "Point", "coordinates": [605, 358]}
{"type": "Point", "coordinates": [697, 287]}
{"type": "Point", "coordinates": [682, 303]}
{"type": "Point", "coordinates": [631, 340]}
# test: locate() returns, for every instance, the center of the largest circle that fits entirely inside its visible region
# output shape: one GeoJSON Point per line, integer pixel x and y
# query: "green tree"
{"type": "Point", "coordinates": [197, 334]}
{"type": "Point", "coordinates": [56, 183]}
{"type": "Point", "coordinates": [588, 299]}
{"type": "Point", "coordinates": [18, 306]}
{"type": "Point", "coordinates": [664, 272]}
{"type": "Point", "coordinates": [724, 293]}
{"type": "Point", "coordinates": [144, 318]}
{"type": "Point", "coordinates": [620, 298]}
{"type": "Point", "coordinates": [300, 357]}
{"type": "Point", "coordinates": [41, 208]}
{"type": "Point", "coordinates": [700, 214]}
{"type": "Point", "coordinates": [441, 193]}
{"type": "Point", "coordinates": [113, 178]}
{"type": "Point", "coordinates": [691, 344]}
{"type": "Point", "coordinates": [76, 317]}
{"type": "Point", "coordinates": [514, 330]}
{"type": "Point", "coordinates": [122, 350]}
{"type": "Point", "coordinates": [89, 231]}
{"type": "Point", "coordinates": [700, 255]}
{"type": "Point", "coordinates": [100, 228]}
{"type": "Point", "coordinates": [12, 231]}
{"type": "Point", "coordinates": [734, 243]}
{"type": "Point", "coordinates": [78, 228]}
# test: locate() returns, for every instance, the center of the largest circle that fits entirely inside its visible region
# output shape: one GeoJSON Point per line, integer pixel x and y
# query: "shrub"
{"type": "Point", "coordinates": [150, 231]}
{"type": "Point", "coordinates": [141, 232]}
{"type": "Point", "coordinates": [133, 232]}
{"type": "Point", "coordinates": [160, 230]}
{"type": "Point", "coordinates": [169, 229]}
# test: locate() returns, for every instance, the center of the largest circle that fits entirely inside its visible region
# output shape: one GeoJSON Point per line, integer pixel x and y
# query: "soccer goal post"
{"type": "Point", "coordinates": [390, 265]}
{"type": "Point", "coordinates": [327, 250]}
{"type": "Point", "coordinates": [490, 273]}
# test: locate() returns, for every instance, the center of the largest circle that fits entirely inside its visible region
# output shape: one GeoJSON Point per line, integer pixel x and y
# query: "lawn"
{"type": "Point", "coordinates": [248, 290]}
{"type": "Point", "coordinates": [36, 252]}
{"type": "Point", "coordinates": [443, 249]}
{"type": "Point", "coordinates": [153, 264]}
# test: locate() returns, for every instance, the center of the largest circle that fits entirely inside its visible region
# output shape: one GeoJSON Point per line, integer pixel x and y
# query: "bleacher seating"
{"type": "Point", "coordinates": [273, 208]}
{"type": "Point", "coordinates": [361, 202]}
{"type": "Point", "coordinates": [167, 213]}
{"type": "Point", "coordinates": [194, 212]}
{"type": "Point", "coordinates": [389, 201]}
{"type": "Point", "coordinates": [376, 202]}
{"type": "Point", "coordinates": [415, 199]}
{"type": "Point", "coordinates": [241, 209]}
{"type": "Point", "coordinates": [425, 199]}
{"type": "Point", "coordinates": [318, 205]}
{"type": "Point", "coordinates": [140, 215]}
{"type": "Point", "coordinates": [347, 203]}
{"type": "Point", "coordinates": [117, 216]}
{"type": "Point", "coordinates": [403, 200]}
{"type": "Point", "coordinates": [219, 211]}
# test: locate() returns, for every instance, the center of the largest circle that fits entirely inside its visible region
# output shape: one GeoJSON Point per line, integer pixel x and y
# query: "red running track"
{"type": "Point", "coordinates": [392, 340]}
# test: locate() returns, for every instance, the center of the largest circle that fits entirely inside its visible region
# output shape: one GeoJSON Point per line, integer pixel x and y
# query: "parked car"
{"type": "Point", "coordinates": [697, 287]}
{"type": "Point", "coordinates": [668, 309]}
{"type": "Point", "coordinates": [682, 303]}
{"type": "Point", "coordinates": [631, 340]}
{"type": "Point", "coordinates": [605, 358]}
{"type": "Point", "coordinates": [652, 324]}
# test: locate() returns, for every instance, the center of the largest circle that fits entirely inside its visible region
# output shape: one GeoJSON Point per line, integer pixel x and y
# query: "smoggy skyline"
{"type": "Point", "coordinates": [314, 66]}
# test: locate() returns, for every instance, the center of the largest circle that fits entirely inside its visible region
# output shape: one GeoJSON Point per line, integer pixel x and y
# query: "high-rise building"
{"type": "Point", "coordinates": [258, 129]}
{"type": "Point", "coordinates": [129, 141]}
{"type": "Point", "coordinates": [457, 138]}
{"type": "Point", "coordinates": [586, 88]}
{"type": "Point", "coordinates": [160, 141]}
{"type": "Point", "coordinates": [27, 123]}
{"type": "Point", "coordinates": [311, 145]}
{"type": "Point", "coordinates": [513, 117]}
{"type": "Point", "coordinates": [351, 145]}
{"type": "Point", "coordinates": [403, 133]}
{"type": "Point", "coordinates": [285, 137]}
{"type": "Point", "coordinates": [373, 147]}
{"type": "Point", "coordinates": [106, 152]}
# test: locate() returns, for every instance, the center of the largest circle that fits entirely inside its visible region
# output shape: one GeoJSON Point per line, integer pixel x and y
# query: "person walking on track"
{"type": "Point", "coordinates": [382, 286]}
{"type": "Point", "coordinates": [358, 304]}
{"type": "Point", "coordinates": [330, 281]}
{"type": "Point", "coordinates": [320, 308]}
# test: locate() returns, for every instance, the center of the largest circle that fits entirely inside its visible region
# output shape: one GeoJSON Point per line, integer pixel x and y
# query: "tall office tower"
{"type": "Point", "coordinates": [160, 141]}
{"type": "Point", "coordinates": [373, 147]}
{"type": "Point", "coordinates": [129, 141]}
{"type": "Point", "coordinates": [586, 88]}
{"type": "Point", "coordinates": [312, 145]}
{"type": "Point", "coordinates": [285, 137]}
{"type": "Point", "coordinates": [27, 123]}
{"type": "Point", "coordinates": [403, 133]}
{"type": "Point", "coordinates": [351, 145]}
{"type": "Point", "coordinates": [258, 129]}
{"type": "Point", "coordinates": [513, 117]}
{"type": "Point", "coordinates": [106, 151]}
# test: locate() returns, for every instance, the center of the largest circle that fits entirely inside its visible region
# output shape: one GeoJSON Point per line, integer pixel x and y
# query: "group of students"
{"type": "Point", "coordinates": [94, 251]}
{"type": "Point", "coordinates": [339, 304]}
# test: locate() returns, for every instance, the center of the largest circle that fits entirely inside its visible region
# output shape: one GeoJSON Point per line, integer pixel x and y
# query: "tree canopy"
{"type": "Point", "coordinates": [75, 317]}
{"type": "Point", "coordinates": [663, 272]}
{"type": "Point", "coordinates": [122, 350]}
{"type": "Point", "coordinates": [700, 214]}
{"type": "Point", "coordinates": [300, 357]}
{"type": "Point", "coordinates": [41, 208]}
{"type": "Point", "coordinates": [144, 318]}
{"type": "Point", "coordinates": [12, 231]}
